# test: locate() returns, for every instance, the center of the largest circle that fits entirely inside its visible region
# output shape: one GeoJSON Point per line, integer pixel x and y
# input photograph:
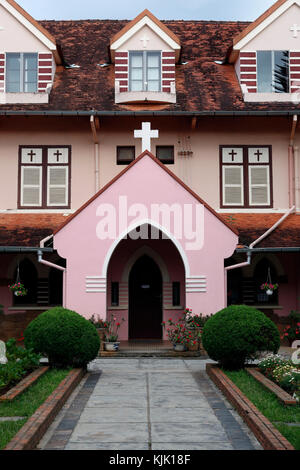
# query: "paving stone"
{"type": "Point", "coordinates": [185, 446]}
{"type": "Point", "coordinates": [110, 432]}
{"type": "Point", "coordinates": [114, 415]}
{"type": "Point", "coordinates": [107, 446]}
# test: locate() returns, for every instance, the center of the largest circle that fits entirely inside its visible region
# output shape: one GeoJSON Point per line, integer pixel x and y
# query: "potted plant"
{"type": "Point", "coordinates": [177, 334]}
{"type": "Point", "coordinates": [195, 324]}
{"type": "Point", "coordinates": [269, 288]}
{"type": "Point", "coordinates": [18, 289]}
{"type": "Point", "coordinates": [111, 334]}
{"type": "Point", "coordinates": [101, 326]}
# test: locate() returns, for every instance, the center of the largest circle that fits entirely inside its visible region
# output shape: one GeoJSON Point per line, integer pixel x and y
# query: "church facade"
{"type": "Point", "coordinates": [149, 166]}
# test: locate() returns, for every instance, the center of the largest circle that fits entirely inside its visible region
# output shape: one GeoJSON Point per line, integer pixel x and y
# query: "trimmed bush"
{"type": "Point", "coordinates": [64, 336]}
{"type": "Point", "coordinates": [237, 333]}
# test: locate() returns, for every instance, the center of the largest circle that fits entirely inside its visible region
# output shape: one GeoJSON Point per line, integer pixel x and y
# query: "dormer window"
{"type": "Point", "coordinates": [21, 73]}
{"type": "Point", "coordinates": [145, 71]}
{"type": "Point", "coordinates": [273, 71]}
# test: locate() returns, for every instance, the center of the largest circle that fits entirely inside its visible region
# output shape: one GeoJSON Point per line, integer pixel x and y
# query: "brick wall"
{"type": "Point", "coordinates": [45, 70]}
{"type": "Point", "coordinates": [121, 70]}
{"type": "Point", "coordinates": [2, 72]}
{"type": "Point", "coordinates": [168, 70]}
{"type": "Point", "coordinates": [14, 325]}
{"type": "Point", "coordinates": [248, 70]}
{"type": "Point", "coordinates": [294, 72]}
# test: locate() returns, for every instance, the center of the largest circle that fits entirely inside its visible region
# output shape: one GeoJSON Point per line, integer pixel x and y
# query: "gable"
{"type": "Point", "coordinates": [282, 8]}
{"type": "Point", "coordinates": [17, 38]}
{"type": "Point", "coordinates": [145, 39]}
{"type": "Point", "coordinates": [278, 34]}
{"type": "Point", "coordinates": [150, 21]}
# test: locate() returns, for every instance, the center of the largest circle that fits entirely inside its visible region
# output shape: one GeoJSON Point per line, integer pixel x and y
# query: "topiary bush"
{"type": "Point", "coordinates": [237, 333]}
{"type": "Point", "coordinates": [64, 336]}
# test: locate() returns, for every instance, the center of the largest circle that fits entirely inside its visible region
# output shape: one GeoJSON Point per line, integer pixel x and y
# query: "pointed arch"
{"type": "Point", "coordinates": [146, 250]}
{"type": "Point", "coordinates": [133, 227]}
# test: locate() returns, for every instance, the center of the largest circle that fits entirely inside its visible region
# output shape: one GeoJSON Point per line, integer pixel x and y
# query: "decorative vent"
{"type": "Point", "coordinates": [95, 284]}
{"type": "Point", "coordinates": [196, 284]}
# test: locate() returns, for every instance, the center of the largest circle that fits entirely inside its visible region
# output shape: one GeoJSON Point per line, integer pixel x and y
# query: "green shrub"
{"type": "Point", "coordinates": [64, 336]}
{"type": "Point", "coordinates": [237, 333]}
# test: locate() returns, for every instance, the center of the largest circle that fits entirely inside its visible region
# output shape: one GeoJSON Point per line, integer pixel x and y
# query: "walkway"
{"type": "Point", "coordinates": [148, 404]}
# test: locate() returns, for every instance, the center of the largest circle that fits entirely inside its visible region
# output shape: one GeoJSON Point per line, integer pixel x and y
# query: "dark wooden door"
{"type": "Point", "coordinates": [145, 300]}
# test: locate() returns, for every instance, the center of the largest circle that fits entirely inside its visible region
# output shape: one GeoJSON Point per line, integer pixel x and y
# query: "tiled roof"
{"type": "Point", "coordinates": [252, 226]}
{"type": "Point", "coordinates": [27, 229]}
{"type": "Point", "coordinates": [30, 229]}
{"type": "Point", "coordinates": [202, 85]}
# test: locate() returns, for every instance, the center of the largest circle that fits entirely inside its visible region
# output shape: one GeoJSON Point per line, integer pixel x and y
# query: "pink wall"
{"type": "Point", "coordinates": [145, 183]}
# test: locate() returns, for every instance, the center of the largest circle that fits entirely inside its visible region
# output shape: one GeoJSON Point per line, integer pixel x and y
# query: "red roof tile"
{"type": "Point", "coordinates": [252, 226]}
{"type": "Point", "coordinates": [27, 229]}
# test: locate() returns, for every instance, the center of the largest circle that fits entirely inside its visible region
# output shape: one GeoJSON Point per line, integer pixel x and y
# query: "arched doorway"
{"type": "Point", "coordinates": [145, 300]}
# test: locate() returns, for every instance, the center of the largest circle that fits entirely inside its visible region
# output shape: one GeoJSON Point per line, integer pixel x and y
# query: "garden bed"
{"type": "Point", "coordinates": [11, 392]}
{"type": "Point", "coordinates": [266, 433]}
{"type": "Point", "coordinates": [281, 394]}
{"type": "Point", "coordinates": [37, 407]}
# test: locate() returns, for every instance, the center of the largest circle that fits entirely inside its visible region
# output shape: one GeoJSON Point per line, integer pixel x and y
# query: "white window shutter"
{"type": "Point", "coordinates": [259, 185]}
{"type": "Point", "coordinates": [57, 193]}
{"type": "Point", "coordinates": [233, 188]}
{"type": "Point", "coordinates": [31, 186]}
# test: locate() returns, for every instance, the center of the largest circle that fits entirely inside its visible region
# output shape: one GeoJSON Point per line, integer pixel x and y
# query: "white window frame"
{"type": "Point", "coordinates": [23, 168]}
{"type": "Point", "coordinates": [273, 71]}
{"type": "Point", "coordinates": [145, 70]}
{"type": "Point", "coordinates": [22, 72]}
{"type": "Point", "coordinates": [266, 185]}
{"type": "Point", "coordinates": [241, 186]}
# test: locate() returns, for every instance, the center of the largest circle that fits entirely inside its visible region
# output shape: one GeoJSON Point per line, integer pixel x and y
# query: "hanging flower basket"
{"type": "Point", "coordinates": [18, 289]}
{"type": "Point", "coordinates": [269, 288]}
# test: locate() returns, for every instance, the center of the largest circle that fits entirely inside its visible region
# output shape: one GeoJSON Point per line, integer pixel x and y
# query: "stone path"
{"type": "Point", "coordinates": [148, 404]}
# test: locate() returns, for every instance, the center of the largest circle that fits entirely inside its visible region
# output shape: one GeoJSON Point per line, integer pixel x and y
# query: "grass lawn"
{"type": "Point", "coordinates": [26, 404]}
{"type": "Point", "coordinates": [269, 406]}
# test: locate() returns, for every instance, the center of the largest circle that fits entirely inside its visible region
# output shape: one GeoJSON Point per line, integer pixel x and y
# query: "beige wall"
{"type": "Point", "coordinates": [200, 171]}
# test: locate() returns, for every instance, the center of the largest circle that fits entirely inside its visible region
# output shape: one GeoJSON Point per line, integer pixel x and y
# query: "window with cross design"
{"type": "Point", "coordinates": [246, 176]}
{"type": "Point", "coordinates": [44, 177]}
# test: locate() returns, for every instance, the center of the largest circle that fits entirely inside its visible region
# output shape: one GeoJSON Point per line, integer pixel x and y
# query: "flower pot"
{"type": "Point", "coordinates": [193, 347]}
{"type": "Point", "coordinates": [112, 346]}
{"type": "Point", "coordinates": [179, 347]}
{"type": "Point", "coordinates": [269, 292]}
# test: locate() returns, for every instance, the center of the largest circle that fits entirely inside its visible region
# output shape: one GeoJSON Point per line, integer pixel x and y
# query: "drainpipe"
{"type": "Point", "coordinates": [292, 164]}
{"type": "Point", "coordinates": [249, 253]}
{"type": "Point", "coordinates": [94, 127]}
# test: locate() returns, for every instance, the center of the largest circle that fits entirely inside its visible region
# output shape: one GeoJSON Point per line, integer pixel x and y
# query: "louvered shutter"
{"type": "Point", "coordinates": [57, 194]}
{"type": "Point", "coordinates": [233, 192]}
{"type": "Point", "coordinates": [259, 185]}
{"type": "Point", "coordinates": [31, 186]}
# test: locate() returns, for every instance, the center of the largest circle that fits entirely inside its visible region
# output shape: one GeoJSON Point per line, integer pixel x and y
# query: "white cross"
{"type": "Point", "coordinates": [295, 28]}
{"type": "Point", "coordinates": [146, 134]}
{"type": "Point", "coordinates": [145, 41]}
